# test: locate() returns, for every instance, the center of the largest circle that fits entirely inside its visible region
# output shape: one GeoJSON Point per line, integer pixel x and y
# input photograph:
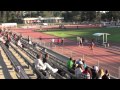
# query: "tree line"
{"type": "Point", "coordinates": [69, 16]}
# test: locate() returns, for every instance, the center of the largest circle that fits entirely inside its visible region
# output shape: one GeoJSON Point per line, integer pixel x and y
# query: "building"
{"type": "Point", "coordinates": [30, 20]}
{"type": "Point", "coordinates": [43, 20]}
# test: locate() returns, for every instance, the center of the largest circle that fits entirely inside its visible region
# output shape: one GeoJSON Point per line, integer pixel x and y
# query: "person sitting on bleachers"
{"type": "Point", "coordinates": [95, 72]}
{"type": "Point", "coordinates": [86, 73]}
{"type": "Point", "coordinates": [100, 73]}
{"type": "Point", "coordinates": [2, 39]}
{"type": "Point", "coordinates": [79, 61]}
{"type": "Point", "coordinates": [30, 42]}
{"type": "Point", "coordinates": [78, 71]}
{"type": "Point", "coordinates": [7, 43]}
{"type": "Point", "coordinates": [70, 64]}
{"type": "Point", "coordinates": [44, 50]}
{"type": "Point", "coordinates": [43, 65]}
{"type": "Point", "coordinates": [19, 43]}
{"type": "Point", "coordinates": [106, 75]}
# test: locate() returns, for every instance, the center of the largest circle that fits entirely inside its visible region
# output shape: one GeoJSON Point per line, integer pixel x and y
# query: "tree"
{"type": "Point", "coordinates": [76, 15]}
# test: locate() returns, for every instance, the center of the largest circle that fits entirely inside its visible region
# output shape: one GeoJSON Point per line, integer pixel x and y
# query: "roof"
{"type": "Point", "coordinates": [100, 34]}
{"type": "Point", "coordinates": [31, 19]}
{"type": "Point", "coordinates": [43, 18]}
{"type": "Point", "coordinates": [50, 18]}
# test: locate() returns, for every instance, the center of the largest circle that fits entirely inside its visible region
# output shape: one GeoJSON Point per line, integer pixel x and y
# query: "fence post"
{"type": "Point", "coordinates": [119, 72]}
{"type": "Point", "coordinates": [48, 45]}
{"type": "Point", "coordinates": [62, 49]}
{"type": "Point", "coordinates": [98, 64]}
{"type": "Point", "coordinates": [83, 57]}
{"type": "Point", "coordinates": [44, 44]}
{"type": "Point", "coordinates": [55, 47]}
{"type": "Point", "coordinates": [71, 53]}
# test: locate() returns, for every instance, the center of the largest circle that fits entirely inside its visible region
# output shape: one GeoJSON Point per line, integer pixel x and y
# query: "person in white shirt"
{"type": "Point", "coordinates": [79, 70]}
{"type": "Point", "coordinates": [43, 66]}
{"type": "Point", "coordinates": [53, 40]}
{"type": "Point", "coordinates": [19, 43]}
{"type": "Point", "coordinates": [30, 42]}
{"type": "Point", "coordinates": [2, 39]}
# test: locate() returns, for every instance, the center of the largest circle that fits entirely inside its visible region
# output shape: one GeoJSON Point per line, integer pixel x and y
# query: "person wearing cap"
{"type": "Point", "coordinates": [79, 61]}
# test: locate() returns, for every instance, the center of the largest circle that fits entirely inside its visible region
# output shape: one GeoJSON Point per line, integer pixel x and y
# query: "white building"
{"type": "Point", "coordinates": [43, 20]}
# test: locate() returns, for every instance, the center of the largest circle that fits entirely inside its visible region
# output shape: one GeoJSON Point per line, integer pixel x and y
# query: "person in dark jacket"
{"type": "Point", "coordinates": [106, 75]}
{"type": "Point", "coordinates": [95, 72]}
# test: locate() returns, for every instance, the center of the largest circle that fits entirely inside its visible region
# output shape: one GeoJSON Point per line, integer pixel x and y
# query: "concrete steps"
{"type": "Point", "coordinates": [27, 70]}
{"type": "Point", "coordinates": [8, 65]}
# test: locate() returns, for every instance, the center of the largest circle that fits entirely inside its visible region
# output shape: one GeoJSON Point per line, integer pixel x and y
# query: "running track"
{"type": "Point", "coordinates": [104, 57]}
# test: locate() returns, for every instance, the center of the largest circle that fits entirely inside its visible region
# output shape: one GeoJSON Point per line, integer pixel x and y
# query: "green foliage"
{"type": "Point", "coordinates": [69, 16]}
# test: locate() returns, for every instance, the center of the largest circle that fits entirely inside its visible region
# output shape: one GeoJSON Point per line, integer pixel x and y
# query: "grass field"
{"type": "Point", "coordinates": [87, 33]}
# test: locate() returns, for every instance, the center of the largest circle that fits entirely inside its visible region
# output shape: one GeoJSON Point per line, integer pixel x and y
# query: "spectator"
{"type": "Point", "coordinates": [79, 61]}
{"type": "Point", "coordinates": [100, 73]}
{"type": "Point", "coordinates": [74, 64]}
{"type": "Point", "coordinates": [43, 65]}
{"type": "Point", "coordinates": [95, 72]}
{"type": "Point", "coordinates": [2, 39]}
{"type": "Point", "coordinates": [86, 73]}
{"type": "Point", "coordinates": [20, 36]}
{"type": "Point", "coordinates": [70, 64]}
{"type": "Point", "coordinates": [106, 75]}
{"type": "Point", "coordinates": [7, 43]}
{"type": "Point", "coordinates": [44, 50]}
{"type": "Point", "coordinates": [30, 42]}
{"type": "Point", "coordinates": [45, 59]}
{"type": "Point", "coordinates": [19, 43]}
{"type": "Point", "coordinates": [78, 71]}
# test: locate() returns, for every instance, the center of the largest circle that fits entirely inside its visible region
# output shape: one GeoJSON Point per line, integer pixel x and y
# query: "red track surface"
{"type": "Point", "coordinates": [106, 59]}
